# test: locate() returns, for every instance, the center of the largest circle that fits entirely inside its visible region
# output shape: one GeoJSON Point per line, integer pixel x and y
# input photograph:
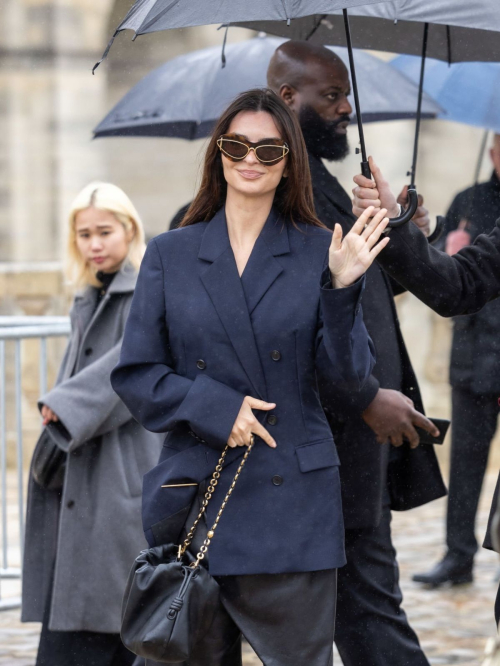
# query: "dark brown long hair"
{"type": "Point", "coordinates": [293, 198]}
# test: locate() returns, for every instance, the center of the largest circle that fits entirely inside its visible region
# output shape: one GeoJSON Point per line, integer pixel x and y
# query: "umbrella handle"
{"type": "Point", "coordinates": [407, 214]}
{"type": "Point", "coordinates": [438, 231]}
{"type": "Point", "coordinates": [365, 170]}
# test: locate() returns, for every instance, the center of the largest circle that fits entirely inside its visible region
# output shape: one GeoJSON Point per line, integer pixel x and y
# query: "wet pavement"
{"type": "Point", "coordinates": [453, 624]}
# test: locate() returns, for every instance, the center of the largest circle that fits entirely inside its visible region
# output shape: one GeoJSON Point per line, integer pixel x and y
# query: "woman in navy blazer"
{"type": "Point", "coordinates": [231, 314]}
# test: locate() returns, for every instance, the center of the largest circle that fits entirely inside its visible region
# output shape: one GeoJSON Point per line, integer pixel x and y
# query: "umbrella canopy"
{"type": "Point", "coordinates": [153, 15]}
{"type": "Point", "coordinates": [184, 97]}
{"type": "Point", "coordinates": [460, 30]}
{"type": "Point", "coordinates": [467, 92]}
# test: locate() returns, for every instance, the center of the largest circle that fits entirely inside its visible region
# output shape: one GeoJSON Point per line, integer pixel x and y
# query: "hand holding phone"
{"type": "Point", "coordinates": [426, 438]}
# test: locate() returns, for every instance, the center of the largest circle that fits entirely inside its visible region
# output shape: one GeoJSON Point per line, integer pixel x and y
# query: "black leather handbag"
{"type": "Point", "coordinates": [171, 599]}
{"type": "Point", "coordinates": [49, 463]}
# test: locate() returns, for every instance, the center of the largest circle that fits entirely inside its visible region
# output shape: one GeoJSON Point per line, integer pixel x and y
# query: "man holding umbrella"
{"type": "Point", "coordinates": [372, 629]}
{"type": "Point", "coordinates": [475, 381]}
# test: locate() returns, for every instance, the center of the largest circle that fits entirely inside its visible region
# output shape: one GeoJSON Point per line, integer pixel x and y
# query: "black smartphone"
{"type": "Point", "coordinates": [426, 438]}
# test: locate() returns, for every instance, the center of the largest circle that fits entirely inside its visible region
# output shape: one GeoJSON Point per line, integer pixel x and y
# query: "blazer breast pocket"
{"type": "Point", "coordinates": [317, 455]}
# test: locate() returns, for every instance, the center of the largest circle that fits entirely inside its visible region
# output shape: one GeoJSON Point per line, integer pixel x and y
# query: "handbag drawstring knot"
{"type": "Point", "coordinates": [178, 601]}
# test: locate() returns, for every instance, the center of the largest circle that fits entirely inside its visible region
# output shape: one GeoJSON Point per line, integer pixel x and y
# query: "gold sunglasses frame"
{"type": "Point", "coordinates": [285, 148]}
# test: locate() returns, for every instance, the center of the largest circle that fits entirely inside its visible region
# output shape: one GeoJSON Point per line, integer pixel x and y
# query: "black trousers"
{"type": "Point", "coordinates": [372, 628]}
{"type": "Point", "coordinates": [474, 421]}
{"type": "Point", "coordinates": [79, 648]}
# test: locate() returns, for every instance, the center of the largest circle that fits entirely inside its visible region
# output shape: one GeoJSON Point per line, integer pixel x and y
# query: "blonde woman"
{"type": "Point", "coordinates": [81, 539]}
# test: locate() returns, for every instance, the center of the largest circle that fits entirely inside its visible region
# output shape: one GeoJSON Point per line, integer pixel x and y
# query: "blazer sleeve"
{"type": "Point", "coordinates": [86, 404]}
{"type": "Point", "coordinates": [461, 284]}
{"type": "Point", "coordinates": [344, 350]}
{"type": "Point", "coordinates": [145, 376]}
{"type": "Point", "coordinates": [341, 404]}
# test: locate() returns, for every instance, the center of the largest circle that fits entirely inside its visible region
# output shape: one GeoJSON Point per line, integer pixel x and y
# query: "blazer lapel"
{"type": "Point", "coordinates": [262, 268]}
{"type": "Point", "coordinates": [223, 284]}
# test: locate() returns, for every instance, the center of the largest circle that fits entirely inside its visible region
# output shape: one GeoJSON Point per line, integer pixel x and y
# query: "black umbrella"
{"type": "Point", "coordinates": [184, 97]}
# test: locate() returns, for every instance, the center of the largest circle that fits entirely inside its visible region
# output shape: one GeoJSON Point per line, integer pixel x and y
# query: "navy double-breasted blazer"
{"type": "Point", "coordinates": [198, 340]}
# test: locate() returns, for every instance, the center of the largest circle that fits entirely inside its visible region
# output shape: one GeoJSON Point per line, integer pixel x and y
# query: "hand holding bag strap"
{"type": "Point", "coordinates": [208, 495]}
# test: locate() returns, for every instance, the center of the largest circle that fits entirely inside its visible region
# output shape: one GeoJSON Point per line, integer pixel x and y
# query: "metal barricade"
{"type": "Point", "coordinates": [13, 330]}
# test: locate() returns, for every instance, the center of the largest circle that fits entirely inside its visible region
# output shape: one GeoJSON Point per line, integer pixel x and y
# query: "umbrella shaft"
{"type": "Point", "coordinates": [364, 163]}
{"type": "Point", "coordinates": [419, 105]}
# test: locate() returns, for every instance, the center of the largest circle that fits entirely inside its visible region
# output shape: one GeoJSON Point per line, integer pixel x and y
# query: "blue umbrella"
{"type": "Point", "coordinates": [468, 92]}
{"type": "Point", "coordinates": [184, 97]}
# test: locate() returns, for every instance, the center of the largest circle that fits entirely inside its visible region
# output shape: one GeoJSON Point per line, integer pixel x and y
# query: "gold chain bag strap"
{"type": "Point", "coordinates": [170, 600]}
{"type": "Point", "coordinates": [208, 496]}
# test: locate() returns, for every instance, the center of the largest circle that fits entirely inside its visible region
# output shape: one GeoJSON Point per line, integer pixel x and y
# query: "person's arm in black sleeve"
{"type": "Point", "coordinates": [450, 285]}
{"type": "Point", "coordinates": [461, 284]}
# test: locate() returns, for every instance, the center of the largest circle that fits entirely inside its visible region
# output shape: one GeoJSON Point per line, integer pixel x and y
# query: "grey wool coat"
{"type": "Point", "coordinates": [86, 540]}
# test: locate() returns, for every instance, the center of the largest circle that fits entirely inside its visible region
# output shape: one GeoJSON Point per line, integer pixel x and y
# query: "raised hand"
{"type": "Point", "coordinates": [350, 258]}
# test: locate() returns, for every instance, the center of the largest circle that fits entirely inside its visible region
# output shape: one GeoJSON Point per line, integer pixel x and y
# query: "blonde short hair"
{"type": "Point", "coordinates": [112, 199]}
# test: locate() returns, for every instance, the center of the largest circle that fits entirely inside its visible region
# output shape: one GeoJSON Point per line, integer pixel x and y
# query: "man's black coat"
{"type": "Point", "coordinates": [412, 476]}
{"type": "Point", "coordinates": [461, 284]}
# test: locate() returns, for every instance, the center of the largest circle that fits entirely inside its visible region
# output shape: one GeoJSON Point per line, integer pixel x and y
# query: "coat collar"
{"type": "Point", "coordinates": [85, 302]}
{"type": "Point", "coordinates": [235, 298]}
{"type": "Point", "coordinates": [123, 282]}
{"type": "Point", "coordinates": [324, 181]}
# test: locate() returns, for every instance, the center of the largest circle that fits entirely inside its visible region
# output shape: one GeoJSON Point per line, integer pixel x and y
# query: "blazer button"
{"type": "Point", "coordinates": [70, 504]}
{"type": "Point", "coordinates": [272, 419]}
{"type": "Point", "coordinates": [201, 365]}
{"type": "Point", "coordinates": [277, 480]}
{"type": "Point", "coordinates": [275, 355]}
{"type": "Point", "coordinates": [88, 351]}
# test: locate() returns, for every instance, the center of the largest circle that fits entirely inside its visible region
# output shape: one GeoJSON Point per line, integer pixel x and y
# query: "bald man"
{"type": "Point", "coordinates": [372, 628]}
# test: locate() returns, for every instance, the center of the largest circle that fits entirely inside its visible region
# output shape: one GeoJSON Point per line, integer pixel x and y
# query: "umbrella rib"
{"type": "Point", "coordinates": [283, 2]}
{"type": "Point", "coordinates": [318, 23]}
{"type": "Point", "coordinates": [145, 26]}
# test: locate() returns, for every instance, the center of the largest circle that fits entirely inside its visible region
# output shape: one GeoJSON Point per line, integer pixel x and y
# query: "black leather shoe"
{"type": "Point", "coordinates": [449, 570]}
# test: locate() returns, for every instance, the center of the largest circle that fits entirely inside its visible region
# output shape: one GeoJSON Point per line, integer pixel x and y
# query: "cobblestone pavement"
{"type": "Point", "coordinates": [452, 624]}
